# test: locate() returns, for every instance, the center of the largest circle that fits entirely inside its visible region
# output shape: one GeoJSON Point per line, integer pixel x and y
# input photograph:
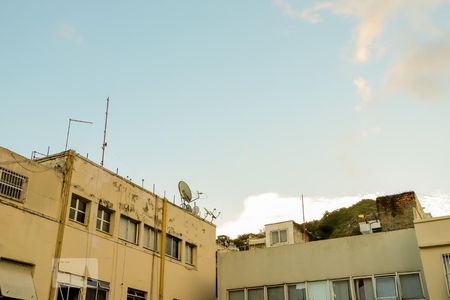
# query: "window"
{"type": "Point", "coordinates": [103, 219]}
{"type": "Point", "coordinates": [236, 295]}
{"type": "Point", "coordinates": [151, 238]}
{"type": "Point", "coordinates": [173, 247]}
{"type": "Point", "coordinates": [364, 289]}
{"type": "Point", "coordinates": [411, 286]}
{"type": "Point", "coordinates": [318, 290]}
{"type": "Point", "coordinates": [446, 259]}
{"type": "Point", "coordinates": [78, 206]}
{"type": "Point", "coordinates": [190, 253]}
{"type": "Point", "coordinates": [12, 184]}
{"type": "Point", "coordinates": [275, 293]}
{"type": "Point", "coordinates": [341, 290]}
{"type": "Point", "coordinates": [386, 288]}
{"type": "Point", "coordinates": [279, 236]}
{"type": "Point", "coordinates": [97, 290]}
{"type": "Point", "coordinates": [128, 230]}
{"type": "Point", "coordinates": [255, 294]}
{"type": "Point", "coordinates": [297, 291]}
{"type": "Point", "coordinates": [66, 292]}
{"type": "Point", "coordinates": [133, 294]}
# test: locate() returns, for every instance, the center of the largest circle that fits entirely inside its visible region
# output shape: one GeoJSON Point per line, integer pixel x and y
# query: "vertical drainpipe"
{"type": "Point", "coordinates": [65, 196]}
{"type": "Point", "coordinates": [163, 249]}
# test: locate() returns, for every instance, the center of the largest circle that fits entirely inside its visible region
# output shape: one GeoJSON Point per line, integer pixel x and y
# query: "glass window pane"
{"type": "Point", "coordinates": [341, 290]}
{"type": "Point", "coordinates": [169, 245]}
{"type": "Point", "coordinates": [275, 293]}
{"type": "Point", "coordinates": [90, 294]}
{"type": "Point", "coordinates": [123, 227]}
{"type": "Point", "coordinates": [72, 214]}
{"type": "Point", "coordinates": [236, 295]}
{"type": "Point", "coordinates": [283, 236]}
{"type": "Point", "coordinates": [132, 232]}
{"type": "Point", "coordinates": [73, 202]}
{"type": "Point", "coordinates": [80, 217]}
{"type": "Point", "coordinates": [256, 294]}
{"type": "Point", "coordinates": [106, 216]}
{"type": "Point", "coordinates": [275, 239]}
{"type": "Point", "coordinates": [81, 205]}
{"type": "Point", "coordinates": [364, 289]}
{"type": "Point", "coordinates": [105, 227]}
{"type": "Point", "coordinates": [99, 224]}
{"type": "Point", "coordinates": [386, 286]}
{"type": "Point", "coordinates": [318, 290]}
{"type": "Point", "coordinates": [297, 292]}
{"type": "Point", "coordinates": [411, 286]}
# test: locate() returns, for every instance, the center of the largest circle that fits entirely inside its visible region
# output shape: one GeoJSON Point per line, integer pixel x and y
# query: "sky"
{"type": "Point", "coordinates": [251, 102]}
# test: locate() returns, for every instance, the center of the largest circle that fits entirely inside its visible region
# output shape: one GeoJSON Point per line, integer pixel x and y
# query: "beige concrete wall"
{"type": "Point", "coordinates": [288, 225]}
{"type": "Point", "coordinates": [433, 236]}
{"type": "Point", "coordinates": [124, 264]}
{"type": "Point", "coordinates": [380, 253]}
{"type": "Point", "coordinates": [28, 229]}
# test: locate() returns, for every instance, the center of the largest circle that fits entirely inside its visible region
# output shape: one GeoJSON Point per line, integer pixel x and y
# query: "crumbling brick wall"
{"type": "Point", "coordinates": [396, 211]}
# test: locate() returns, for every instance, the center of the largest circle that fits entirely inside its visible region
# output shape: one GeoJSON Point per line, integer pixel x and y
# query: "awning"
{"type": "Point", "coordinates": [16, 280]}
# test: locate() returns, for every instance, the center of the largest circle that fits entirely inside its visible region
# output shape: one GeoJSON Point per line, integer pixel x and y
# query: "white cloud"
{"type": "Point", "coordinates": [420, 67]}
{"type": "Point", "coordinates": [423, 72]}
{"type": "Point", "coordinates": [67, 32]}
{"type": "Point", "coordinates": [271, 207]}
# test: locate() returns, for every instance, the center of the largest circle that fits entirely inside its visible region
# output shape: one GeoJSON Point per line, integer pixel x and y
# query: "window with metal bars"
{"type": "Point", "coordinates": [12, 185]}
{"type": "Point", "coordinates": [446, 260]}
{"type": "Point", "coordinates": [97, 289]}
{"type": "Point", "coordinates": [133, 294]}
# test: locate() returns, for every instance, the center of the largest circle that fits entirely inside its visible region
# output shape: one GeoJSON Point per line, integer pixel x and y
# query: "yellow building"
{"type": "Point", "coordinates": [433, 237]}
{"type": "Point", "coordinates": [71, 229]}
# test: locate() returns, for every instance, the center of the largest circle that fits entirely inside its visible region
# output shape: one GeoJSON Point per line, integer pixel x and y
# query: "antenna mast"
{"type": "Point", "coordinates": [104, 132]}
{"type": "Point", "coordinates": [304, 223]}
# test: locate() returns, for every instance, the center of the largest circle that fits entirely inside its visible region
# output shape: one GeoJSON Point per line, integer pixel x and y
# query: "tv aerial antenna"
{"type": "Point", "coordinates": [214, 214]}
{"type": "Point", "coordinates": [186, 197]}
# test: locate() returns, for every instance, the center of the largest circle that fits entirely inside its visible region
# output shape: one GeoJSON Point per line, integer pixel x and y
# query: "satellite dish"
{"type": "Point", "coordinates": [185, 191]}
{"type": "Point", "coordinates": [196, 210]}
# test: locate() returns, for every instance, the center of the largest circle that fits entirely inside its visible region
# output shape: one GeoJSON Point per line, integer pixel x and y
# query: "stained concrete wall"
{"type": "Point", "coordinates": [28, 228]}
{"type": "Point", "coordinates": [433, 236]}
{"type": "Point", "coordinates": [124, 264]}
{"type": "Point", "coordinates": [379, 253]}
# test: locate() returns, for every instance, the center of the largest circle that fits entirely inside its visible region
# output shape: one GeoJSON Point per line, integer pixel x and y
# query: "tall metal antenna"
{"type": "Point", "coordinates": [304, 223]}
{"type": "Point", "coordinates": [104, 132]}
{"type": "Point", "coordinates": [68, 129]}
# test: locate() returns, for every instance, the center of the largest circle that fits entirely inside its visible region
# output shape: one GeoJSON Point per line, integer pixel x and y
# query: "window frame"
{"type": "Point", "coordinates": [76, 209]}
{"type": "Point", "coordinates": [157, 235]}
{"type": "Point", "coordinates": [135, 296]}
{"type": "Point", "coordinates": [278, 232]}
{"type": "Point", "coordinates": [395, 285]}
{"type": "Point", "coordinates": [132, 221]}
{"type": "Point", "coordinates": [104, 210]}
{"type": "Point", "coordinates": [193, 254]}
{"type": "Point", "coordinates": [173, 238]}
{"type": "Point", "coordinates": [400, 291]}
{"type": "Point", "coordinates": [13, 186]}
{"type": "Point", "coordinates": [446, 269]}
{"type": "Point", "coordinates": [99, 286]}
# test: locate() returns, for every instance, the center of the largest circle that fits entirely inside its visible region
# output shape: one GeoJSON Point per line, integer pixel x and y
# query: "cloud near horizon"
{"type": "Point", "coordinates": [271, 207]}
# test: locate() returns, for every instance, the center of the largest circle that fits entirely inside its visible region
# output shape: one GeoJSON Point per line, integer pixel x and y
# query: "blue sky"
{"type": "Point", "coordinates": [238, 98]}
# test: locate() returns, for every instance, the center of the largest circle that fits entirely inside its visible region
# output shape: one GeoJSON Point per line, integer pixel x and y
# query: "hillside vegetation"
{"type": "Point", "coordinates": [338, 223]}
{"type": "Point", "coordinates": [343, 221]}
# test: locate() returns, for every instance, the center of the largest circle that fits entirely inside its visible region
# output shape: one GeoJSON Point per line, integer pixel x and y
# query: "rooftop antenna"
{"type": "Point", "coordinates": [104, 132]}
{"type": "Point", "coordinates": [68, 129]}
{"type": "Point", "coordinates": [186, 197]}
{"type": "Point", "coordinates": [304, 223]}
{"type": "Point", "coordinates": [211, 214]}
